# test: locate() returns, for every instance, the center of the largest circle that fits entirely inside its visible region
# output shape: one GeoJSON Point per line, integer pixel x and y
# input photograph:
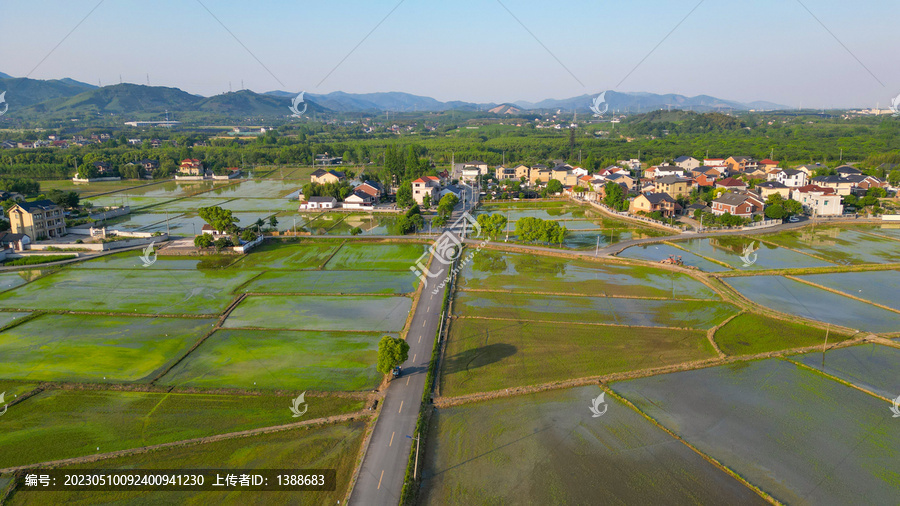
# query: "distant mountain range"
{"type": "Point", "coordinates": [60, 98]}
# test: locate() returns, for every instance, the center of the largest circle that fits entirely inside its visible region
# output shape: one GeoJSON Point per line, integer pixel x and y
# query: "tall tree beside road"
{"type": "Point", "coordinates": [392, 351]}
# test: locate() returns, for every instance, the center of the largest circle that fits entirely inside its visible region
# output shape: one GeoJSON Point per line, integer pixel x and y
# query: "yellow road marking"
{"type": "Point", "coordinates": [379, 480]}
{"type": "Point", "coordinates": [401, 407]}
{"type": "Point", "coordinates": [392, 438]}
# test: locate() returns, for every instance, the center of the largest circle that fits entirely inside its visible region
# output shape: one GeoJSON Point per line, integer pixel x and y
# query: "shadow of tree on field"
{"type": "Point", "coordinates": [479, 357]}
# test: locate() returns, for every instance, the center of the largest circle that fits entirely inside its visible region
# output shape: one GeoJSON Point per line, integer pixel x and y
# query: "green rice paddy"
{"type": "Point", "coordinates": [282, 360]}
{"type": "Point", "coordinates": [323, 312]}
{"type": "Point", "coordinates": [85, 348]}
{"type": "Point", "coordinates": [328, 447]}
{"type": "Point", "coordinates": [485, 355]}
{"type": "Point", "coordinates": [61, 424]}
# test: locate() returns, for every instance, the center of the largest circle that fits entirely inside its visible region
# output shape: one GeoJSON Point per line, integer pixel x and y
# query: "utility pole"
{"type": "Point", "coordinates": [597, 252]}
{"type": "Point", "coordinates": [167, 223]}
{"type": "Point", "coordinates": [824, 346]}
{"type": "Point", "coordinates": [416, 468]}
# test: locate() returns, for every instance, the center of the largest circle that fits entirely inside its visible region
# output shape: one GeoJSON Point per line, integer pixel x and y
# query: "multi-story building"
{"type": "Point", "coordinates": [426, 185]}
{"type": "Point", "coordinates": [673, 185]}
{"type": "Point", "coordinates": [38, 220]}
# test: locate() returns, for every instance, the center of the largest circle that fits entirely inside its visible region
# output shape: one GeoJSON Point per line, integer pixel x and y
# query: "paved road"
{"type": "Point", "coordinates": [380, 480]}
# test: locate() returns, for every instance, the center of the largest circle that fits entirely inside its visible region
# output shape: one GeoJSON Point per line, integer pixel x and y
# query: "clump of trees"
{"type": "Point", "coordinates": [492, 225]}
{"type": "Point", "coordinates": [615, 196]}
{"type": "Point", "coordinates": [530, 229]}
{"type": "Point", "coordinates": [392, 351]}
{"type": "Point", "coordinates": [553, 186]}
{"type": "Point", "coordinates": [445, 210]}
{"type": "Point", "coordinates": [411, 221]}
{"type": "Point", "coordinates": [777, 207]}
{"type": "Point", "coordinates": [339, 191]}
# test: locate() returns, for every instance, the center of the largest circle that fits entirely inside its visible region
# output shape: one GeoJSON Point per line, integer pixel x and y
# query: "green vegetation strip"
{"type": "Point", "coordinates": [36, 259]}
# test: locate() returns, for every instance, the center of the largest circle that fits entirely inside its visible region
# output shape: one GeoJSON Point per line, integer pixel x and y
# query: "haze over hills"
{"type": "Point", "coordinates": [60, 98]}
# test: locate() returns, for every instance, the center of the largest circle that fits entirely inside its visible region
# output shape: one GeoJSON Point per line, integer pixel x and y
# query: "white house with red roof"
{"type": "Point", "coordinates": [191, 167]}
{"type": "Point", "coordinates": [426, 185]}
{"type": "Point", "coordinates": [818, 200]}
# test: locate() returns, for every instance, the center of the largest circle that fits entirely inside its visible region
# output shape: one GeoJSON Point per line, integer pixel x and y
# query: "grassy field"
{"type": "Point", "coordinates": [605, 310]}
{"type": "Point", "coordinates": [129, 291]}
{"type": "Point", "coordinates": [546, 448]}
{"type": "Point", "coordinates": [385, 282]}
{"type": "Point", "coordinates": [329, 447]}
{"type": "Point", "coordinates": [88, 348]}
{"type": "Point", "coordinates": [322, 312]}
{"type": "Point", "coordinates": [374, 257]}
{"type": "Point", "coordinates": [495, 270]}
{"type": "Point", "coordinates": [751, 333]}
{"type": "Point", "coordinates": [487, 355]}
{"type": "Point", "coordinates": [285, 360]}
{"type": "Point", "coordinates": [61, 424]}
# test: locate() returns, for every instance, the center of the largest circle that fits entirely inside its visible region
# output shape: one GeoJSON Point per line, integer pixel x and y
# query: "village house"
{"type": "Point", "coordinates": [322, 176]}
{"type": "Point", "coordinates": [673, 185]}
{"type": "Point", "coordinates": [319, 203]}
{"type": "Point", "coordinates": [740, 163]}
{"type": "Point", "coordinates": [730, 183]}
{"type": "Point", "coordinates": [766, 165]}
{"type": "Point", "coordinates": [17, 242]}
{"type": "Point", "coordinates": [477, 164]}
{"type": "Point", "coordinates": [429, 186]}
{"type": "Point", "coordinates": [663, 170]}
{"type": "Point", "coordinates": [564, 174]}
{"type": "Point", "coordinates": [791, 178]}
{"type": "Point", "coordinates": [522, 171]}
{"type": "Point", "coordinates": [191, 167]}
{"type": "Point", "coordinates": [687, 162]}
{"type": "Point", "coordinates": [818, 201]}
{"type": "Point", "coordinates": [539, 175]}
{"type": "Point", "coordinates": [358, 200]}
{"type": "Point", "coordinates": [744, 205]}
{"type": "Point", "coordinates": [651, 202]}
{"type": "Point", "coordinates": [504, 173]}
{"type": "Point", "coordinates": [772, 187]}
{"type": "Point", "coordinates": [39, 220]}
{"type": "Point", "coordinates": [623, 179]}
{"type": "Point", "coordinates": [372, 189]}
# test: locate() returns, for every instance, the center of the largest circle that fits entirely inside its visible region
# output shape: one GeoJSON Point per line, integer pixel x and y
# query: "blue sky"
{"type": "Point", "coordinates": [469, 50]}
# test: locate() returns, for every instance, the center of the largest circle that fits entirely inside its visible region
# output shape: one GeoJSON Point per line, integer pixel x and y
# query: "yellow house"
{"type": "Point", "coordinates": [38, 220]}
{"type": "Point", "coordinates": [322, 176]}
{"type": "Point", "coordinates": [673, 185]}
{"type": "Point", "coordinates": [523, 171]}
